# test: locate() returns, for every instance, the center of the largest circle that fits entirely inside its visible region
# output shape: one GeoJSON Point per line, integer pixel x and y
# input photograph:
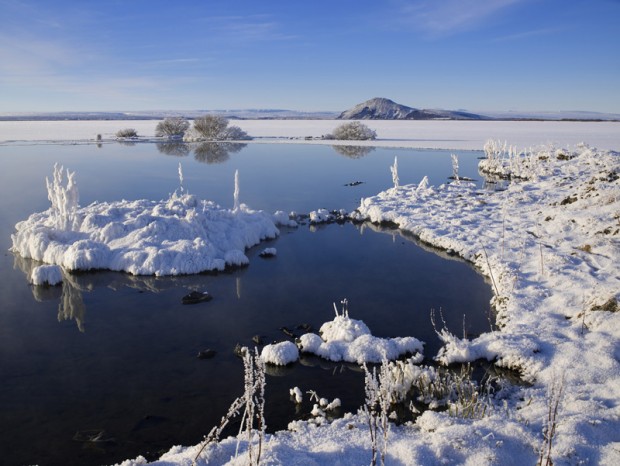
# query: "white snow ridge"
{"type": "Point", "coordinates": [178, 235]}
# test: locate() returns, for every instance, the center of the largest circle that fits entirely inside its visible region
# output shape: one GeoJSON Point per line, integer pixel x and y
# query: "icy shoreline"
{"type": "Point", "coordinates": [550, 246]}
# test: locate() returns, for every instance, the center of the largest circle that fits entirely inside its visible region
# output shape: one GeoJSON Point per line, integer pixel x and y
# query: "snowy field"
{"type": "Point", "coordinates": [549, 244]}
{"type": "Point", "coordinates": [456, 135]}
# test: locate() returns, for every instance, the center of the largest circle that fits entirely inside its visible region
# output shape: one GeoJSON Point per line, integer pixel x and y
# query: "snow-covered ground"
{"type": "Point", "coordinates": [457, 135]}
{"type": "Point", "coordinates": [550, 245]}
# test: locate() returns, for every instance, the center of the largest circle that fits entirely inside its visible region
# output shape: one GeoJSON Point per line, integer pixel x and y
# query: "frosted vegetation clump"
{"type": "Point", "coordinates": [394, 170]}
{"type": "Point", "coordinates": [507, 162]}
{"type": "Point", "coordinates": [173, 127]}
{"type": "Point", "coordinates": [126, 133]}
{"type": "Point", "coordinates": [214, 128]}
{"type": "Point", "coordinates": [63, 193]}
{"type": "Point", "coordinates": [353, 131]}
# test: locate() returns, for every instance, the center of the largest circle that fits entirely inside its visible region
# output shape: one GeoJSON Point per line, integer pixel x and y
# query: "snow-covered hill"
{"type": "Point", "coordinates": [380, 108]}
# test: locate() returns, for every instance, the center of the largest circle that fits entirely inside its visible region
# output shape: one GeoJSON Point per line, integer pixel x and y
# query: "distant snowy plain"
{"type": "Point", "coordinates": [435, 134]}
{"type": "Point", "coordinates": [550, 246]}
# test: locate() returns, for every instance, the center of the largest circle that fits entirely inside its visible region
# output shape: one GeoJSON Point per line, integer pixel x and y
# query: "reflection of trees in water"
{"type": "Point", "coordinates": [71, 306]}
{"type": "Point", "coordinates": [216, 152]}
{"type": "Point", "coordinates": [354, 152]}
{"type": "Point", "coordinates": [69, 294]}
{"type": "Point", "coordinates": [173, 148]}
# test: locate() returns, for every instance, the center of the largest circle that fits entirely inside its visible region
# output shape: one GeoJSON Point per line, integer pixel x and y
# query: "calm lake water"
{"type": "Point", "coordinates": [113, 353]}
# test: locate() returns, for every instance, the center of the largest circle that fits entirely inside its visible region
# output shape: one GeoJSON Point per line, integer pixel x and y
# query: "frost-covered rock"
{"type": "Point", "coordinates": [283, 219]}
{"type": "Point", "coordinates": [350, 340]}
{"type": "Point", "coordinates": [280, 354]}
{"type": "Point", "coordinates": [269, 252]}
{"type": "Point", "coordinates": [46, 275]}
{"type": "Point", "coordinates": [320, 216]}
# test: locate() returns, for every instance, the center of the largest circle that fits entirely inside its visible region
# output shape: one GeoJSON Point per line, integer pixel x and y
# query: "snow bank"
{"type": "Point", "coordinates": [46, 275]}
{"type": "Point", "coordinates": [179, 235]}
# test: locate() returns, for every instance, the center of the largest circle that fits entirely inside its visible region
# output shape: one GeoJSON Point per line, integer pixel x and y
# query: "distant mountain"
{"type": "Point", "coordinates": [244, 114]}
{"type": "Point", "coordinates": [385, 109]}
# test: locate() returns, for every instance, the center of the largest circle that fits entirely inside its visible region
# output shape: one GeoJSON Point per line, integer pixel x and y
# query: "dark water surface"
{"type": "Point", "coordinates": [113, 353]}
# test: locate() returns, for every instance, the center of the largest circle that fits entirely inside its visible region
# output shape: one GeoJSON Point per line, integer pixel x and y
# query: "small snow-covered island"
{"type": "Point", "coordinates": [178, 235]}
{"type": "Point", "coordinates": [549, 244]}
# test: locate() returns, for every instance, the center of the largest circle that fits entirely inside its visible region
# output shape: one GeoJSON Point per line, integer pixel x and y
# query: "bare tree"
{"type": "Point", "coordinates": [172, 127]}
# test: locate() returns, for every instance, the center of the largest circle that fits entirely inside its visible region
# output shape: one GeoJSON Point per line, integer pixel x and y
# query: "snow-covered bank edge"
{"type": "Point", "coordinates": [550, 246]}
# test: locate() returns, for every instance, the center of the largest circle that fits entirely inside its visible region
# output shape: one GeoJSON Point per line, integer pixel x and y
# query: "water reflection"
{"type": "Point", "coordinates": [353, 152]}
{"type": "Point", "coordinates": [71, 306]}
{"type": "Point", "coordinates": [173, 148]}
{"type": "Point", "coordinates": [69, 294]}
{"type": "Point", "coordinates": [216, 152]}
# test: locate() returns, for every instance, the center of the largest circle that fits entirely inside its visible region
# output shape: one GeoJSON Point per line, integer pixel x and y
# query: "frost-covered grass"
{"type": "Point", "coordinates": [550, 242]}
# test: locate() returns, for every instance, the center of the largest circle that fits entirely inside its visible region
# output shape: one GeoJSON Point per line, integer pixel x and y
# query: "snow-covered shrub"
{"type": "Point", "coordinates": [234, 133]}
{"type": "Point", "coordinates": [394, 170]}
{"type": "Point", "coordinates": [126, 133]}
{"type": "Point", "coordinates": [253, 404]}
{"type": "Point", "coordinates": [377, 407]}
{"type": "Point", "coordinates": [65, 199]}
{"type": "Point", "coordinates": [354, 131]}
{"type": "Point", "coordinates": [507, 162]}
{"type": "Point", "coordinates": [172, 127]}
{"type": "Point", "coordinates": [214, 128]}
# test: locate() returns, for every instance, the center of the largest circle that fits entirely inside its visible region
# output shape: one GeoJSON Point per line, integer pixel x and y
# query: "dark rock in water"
{"type": "Point", "coordinates": [92, 436]}
{"type": "Point", "coordinates": [206, 353]}
{"type": "Point", "coordinates": [196, 297]}
{"type": "Point", "coordinates": [288, 332]}
{"type": "Point", "coordinates": [354, 183]}
{"type": "Point", "coordinates": [240, 351]}
{"type": "Point", "coordinates": [305, 327]}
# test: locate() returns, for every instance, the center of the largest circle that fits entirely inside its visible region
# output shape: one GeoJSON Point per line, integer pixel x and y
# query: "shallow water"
{"type": "Point", "coordinates": [113, 353]}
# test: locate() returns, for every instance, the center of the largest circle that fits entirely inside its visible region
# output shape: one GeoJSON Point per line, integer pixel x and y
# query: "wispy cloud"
{"type": "Point", "coordinates": [250, 28]}
{"type": "Point", "coordinates": [30, 55]}
{"type": "Point", "coordinates": [528, 34]}
{"type": "Point", "coordinates": [448, 17]}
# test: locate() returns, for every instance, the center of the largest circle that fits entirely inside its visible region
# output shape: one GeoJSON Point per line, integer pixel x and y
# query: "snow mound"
{"type": "Point", "coordinates": [350, 340]}
{"type": "Point", "coordinates": [46, 275]}
{"type": "Point", "coordinates": [178, 235]}
{"type": "Point", "coordinates": [280, 354]}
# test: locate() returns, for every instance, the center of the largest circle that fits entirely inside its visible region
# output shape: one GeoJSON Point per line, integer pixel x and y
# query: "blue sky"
{"type": "Point", "coordinates": [315, 55]}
